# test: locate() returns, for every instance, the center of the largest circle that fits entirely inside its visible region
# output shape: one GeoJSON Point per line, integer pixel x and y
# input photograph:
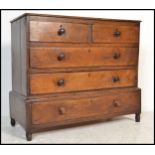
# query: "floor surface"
{"type": "Point", "coordinates": [120, 130]}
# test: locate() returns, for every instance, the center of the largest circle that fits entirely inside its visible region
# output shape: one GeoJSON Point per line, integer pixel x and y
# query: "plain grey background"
{"type": "Point", "coordinates": [146, 57]}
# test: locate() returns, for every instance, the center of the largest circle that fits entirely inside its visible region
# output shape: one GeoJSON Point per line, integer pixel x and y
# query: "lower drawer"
{"type": "Point", "coordinates": [107, 103]}
{"type": "Point", "coordinates": [78, 81]}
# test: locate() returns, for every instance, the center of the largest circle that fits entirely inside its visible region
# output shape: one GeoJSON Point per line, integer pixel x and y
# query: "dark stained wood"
{"type": "Point", "coordinates": [17, 109]}
{"type": "Point", "coordinates": [79, 69]}
{"type": "Point", "coordinates": [75, 96]}
{"type": "Point", "coordinates": [82, 57]}
{"type": "Point", "coordinates": [28, 136]}
{"type": "Point", "coordinates": [73, 18]}
{"type": "Point", "coordinates": [16, 53]}
{"type": "Point", "coordinates": [23, 56]}
{"type": "Point", "coordinates": [48, 83]}
{"type": "Point", "coordinates": [19, 55]}
{"type": "Point", "coordinates": [48, 112]}
{"type": "Point", "coordinates": [92, 44]}
{"type": "Point", "coordinates": [13, 122]}
{"type": "Point", "coordinates": [49, 32]}
{"type": "Point", "coordinates": [84, 120]}
{"type": "Point", "coordinates": [77, 122]}
{"type": "Point", "coordinates": [128, 34]}
{"type": "Point", "coordinates": [137, 117]}
{"type": "Point", "coordinates": [78, 94]}
{"type": "Point", "coordinates": [70, 70]}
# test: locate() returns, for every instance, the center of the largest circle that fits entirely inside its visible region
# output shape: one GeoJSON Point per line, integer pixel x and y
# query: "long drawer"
{"type": "Point", "coordinates": [108, 104]}
{"type": "Point", "coordinates": [77, 81]}
{"type": "Point", "coordinates": [60, 57]}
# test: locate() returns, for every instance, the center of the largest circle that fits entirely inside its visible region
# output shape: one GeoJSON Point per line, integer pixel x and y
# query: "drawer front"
{"type": "Point", "coordinates": [65, 82]}
{"type": "Point", "coordinates": [111, 104]}
{"type": "Point", "coordinates": [118, 34]}
{"type": "Point", "coordinates": [58, 32]}
{"type": "Point", "coordinates": [82, 57]}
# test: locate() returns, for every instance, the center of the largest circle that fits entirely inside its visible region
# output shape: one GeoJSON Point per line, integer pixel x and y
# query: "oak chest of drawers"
{"type": "Point", "coordinates": [69, 70]}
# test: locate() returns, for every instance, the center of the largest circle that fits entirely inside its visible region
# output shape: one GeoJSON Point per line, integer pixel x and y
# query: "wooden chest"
{"type": "Point", "coordinates": [69, 70]}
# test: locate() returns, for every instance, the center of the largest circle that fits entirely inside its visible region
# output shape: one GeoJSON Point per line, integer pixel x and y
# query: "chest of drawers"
{"type": "Point", "coordinates": [71, 70]}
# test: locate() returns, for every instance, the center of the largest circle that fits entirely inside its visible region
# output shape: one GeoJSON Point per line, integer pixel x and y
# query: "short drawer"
{"type": "Point", "coordinates": [58, 32]}
{"type": "Point", "coordinates": [66, 82]}
{"type": "Point", "coordinates": [115, 34]}
{"type": "Point", "coordinates": [60, 57]}
{"type": "Point", "coordinates": [106, 104]}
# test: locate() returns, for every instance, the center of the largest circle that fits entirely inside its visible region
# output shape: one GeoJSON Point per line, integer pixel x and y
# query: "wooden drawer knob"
{"type": "Point", "coordinates": [62, 110]}
{"type": "Point", "coordinates": [117, 33]}
{"type": "Point", "coordinates": [61, 82]}
{"type": "Point", "coordinates": [116, 103]}
{"type": "Point", "coordinates": [61, 30]}
{"type": "Point", "coordinates": [115, 78]}
{"type": "Point", "coordinates": [116, 55]}
{"type": "Point", "coordinates": [61, 56]}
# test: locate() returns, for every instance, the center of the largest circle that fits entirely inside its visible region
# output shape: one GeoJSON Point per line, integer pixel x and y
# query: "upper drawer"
{"type": "Point", "coordinates": [115, 34]}
{"type": "Point", "coordinates": [60, 57]}
{"type": "Point", "coordinates": [58, 32]}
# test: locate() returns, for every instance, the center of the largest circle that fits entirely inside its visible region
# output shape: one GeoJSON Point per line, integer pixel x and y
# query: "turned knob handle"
{"type": "Point", "coordinates": [62, 110]}
{"type": "Point", "coordinates": [61, 82]}
{"type": "Point", "coordinates": [117, 33]}
{"type": "Point", "coordinates": [116, 103]}
{"type": "Point", "coordinates": [116, 55]}
{"type": "Point", "coordinates": [61, 30]}
{"type": "Point", "coordinates": [61, 56]}
{"type": "Point", "coordinates": [115, 78]}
